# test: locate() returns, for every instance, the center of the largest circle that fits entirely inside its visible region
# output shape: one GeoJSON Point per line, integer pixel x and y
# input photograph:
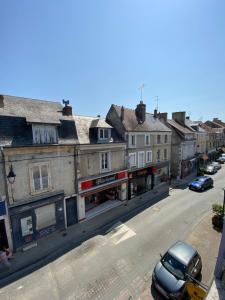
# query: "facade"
{"type": "Point", "coordinates": [183, 145]}
{"type": "Point", "coordinates": [101, 167]}
{"type": "Point", "coordinates": [38, 169]}
{"type": "Point", "coordinates": [148, 147]}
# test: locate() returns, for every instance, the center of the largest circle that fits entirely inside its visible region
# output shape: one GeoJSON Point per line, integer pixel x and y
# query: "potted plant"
{"type": "Point", "coordinates": [217, 219]}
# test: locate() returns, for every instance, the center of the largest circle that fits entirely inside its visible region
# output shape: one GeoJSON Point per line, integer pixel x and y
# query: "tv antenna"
{"type": "Point", "coordinates": [156, 98]}
{"type": "Point", "coordinates": [141, 88]}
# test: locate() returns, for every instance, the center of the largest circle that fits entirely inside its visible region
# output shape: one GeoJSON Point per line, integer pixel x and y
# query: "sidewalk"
{"type": "Point", "coordinates": [206, 240]}
{"type": "Point", "coordinates": [53, 246]}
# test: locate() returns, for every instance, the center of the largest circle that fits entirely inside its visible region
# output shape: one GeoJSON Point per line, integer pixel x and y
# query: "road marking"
{"type": "Point", "coordinates": [120, 233]}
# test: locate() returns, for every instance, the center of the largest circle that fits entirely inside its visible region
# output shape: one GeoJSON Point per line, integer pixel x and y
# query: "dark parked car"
{"type": "Point", "coordinates": [171, 272]}
{"type": "Point", "coordinates": [210, 169]}
{"type": "Point", "coordinates": [221, 159]}
{"type": "Point", "coordinates": [201, 183]}
{"type": "Point", "coordinates": [216, 164]}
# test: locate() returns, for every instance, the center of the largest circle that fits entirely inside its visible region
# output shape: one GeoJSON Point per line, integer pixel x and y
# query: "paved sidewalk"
{"type": "Point", "coordinates": [206, 240]}
{"type": "Point", "coordinates": [53, 246]}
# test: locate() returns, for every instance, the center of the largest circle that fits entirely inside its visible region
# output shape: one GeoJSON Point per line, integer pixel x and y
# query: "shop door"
{"type": "Point", "coordinates": [3, 236]}
{"type": "Point", "coordinates": [71, 211]}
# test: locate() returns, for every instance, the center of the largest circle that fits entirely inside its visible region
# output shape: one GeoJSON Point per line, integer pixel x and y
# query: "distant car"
{"type": "Point", "coordinates": [171, 272]}
{"type": "Point", "coordinates": [216, 164]}
{"type": "Point", "coordinates": [221, 159]}
{"type": "Point", "coordinates": [210, 169]}
{"type": "Point", "coordinates": [201, 183]}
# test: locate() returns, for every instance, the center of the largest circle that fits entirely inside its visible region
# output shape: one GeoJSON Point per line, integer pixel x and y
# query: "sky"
{"type": "Point", "coordinates": [99, 52]}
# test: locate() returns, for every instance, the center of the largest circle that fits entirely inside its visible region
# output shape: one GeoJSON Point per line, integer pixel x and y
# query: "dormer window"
{"type": "Point", "coordinates": [44, 134]}
{"type": "Point", "coordinates": [104, 134]}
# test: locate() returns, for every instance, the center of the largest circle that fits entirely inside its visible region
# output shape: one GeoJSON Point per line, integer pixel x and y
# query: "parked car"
{"type": "Point", "coordinates": [171, 272]}
{"type": "Point", "coordinates": [201, 183]}
{"type": "Point", "coordinates": [210, 169]}
{"type": "Point", "coordinates": [221, 159]}
{"type": "Point", "coordinates": [216, 164]}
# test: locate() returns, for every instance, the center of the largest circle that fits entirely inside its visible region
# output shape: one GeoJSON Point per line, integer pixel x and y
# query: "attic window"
{"type": "Point", "coordinates": [104, 134]}
{"type": "Point", "coordinates": [44, 134]}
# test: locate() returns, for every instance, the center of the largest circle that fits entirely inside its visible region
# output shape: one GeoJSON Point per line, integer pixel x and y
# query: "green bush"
{"type": "Point", "coordinates": [218, 209]}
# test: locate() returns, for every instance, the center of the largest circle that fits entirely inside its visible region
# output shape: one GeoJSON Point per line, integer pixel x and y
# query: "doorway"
{"type": "Point", "coordinates": [3, 236]}
{"type": "Point", "coordinates": [71, 211]}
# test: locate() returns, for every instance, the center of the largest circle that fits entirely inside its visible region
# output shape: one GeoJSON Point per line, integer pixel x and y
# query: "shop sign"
{"type": "Point", "coordinates": [195, 291]}
{"type": "Point", "coordinates": [104, 179]}
{"type": "Point", "coordinates": [91, 183]}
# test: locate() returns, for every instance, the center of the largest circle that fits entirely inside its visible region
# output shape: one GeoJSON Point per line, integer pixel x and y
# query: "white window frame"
{"type": "Point", "coordinates": [104, 130]}
{"type": "Point", "coordinates": [135, 159]}
{"type": "Point", "coordinates": [130, 140]}
{"type": "Point", "coordinates": [148, 161]}
{"type": "Point", "coordinates": [103, 170]}
{"type": "Point", "coordinates": [141, 166]}
{"type": "Point", "coordinates": [147, 135]}
{"type": "Point", "coordinates": [32, 185]}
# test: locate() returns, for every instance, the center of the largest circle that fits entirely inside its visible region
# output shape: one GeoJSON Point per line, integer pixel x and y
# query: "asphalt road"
{"type": "Point", "coordinates": [119, 264]}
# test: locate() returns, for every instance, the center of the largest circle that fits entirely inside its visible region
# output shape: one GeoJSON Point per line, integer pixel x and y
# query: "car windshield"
{"type": "Point", "coordinates": [199, 179]}
{"type": "Point", "coordinates": [174, 266]}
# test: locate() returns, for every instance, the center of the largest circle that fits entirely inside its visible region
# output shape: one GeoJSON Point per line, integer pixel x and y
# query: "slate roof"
{"type": "Point", "coordinates": [17, 114]}
{"type": "Point", "coordinates": [177, 126]}
{"type": "Point", "coordinates": [87, 129]}
{"type": "Point", "coordinates": [130, 122]}
{"type": "Point", "coordinates": [34, 111]}
{"type": "Point", "coordinates": [194, 125]}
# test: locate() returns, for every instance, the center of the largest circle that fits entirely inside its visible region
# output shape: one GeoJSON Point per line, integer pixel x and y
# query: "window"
{"type": "Point", "coordinates": [166, 139]}
{"type": "Point", "coordinates": [165, 153]}
{"type": "Point", "coordinates": [147, 140]}
{"type": "Point", "coordinates": [44, 134]}
{"type": "Point", "coordinates": [132, 160]}
{"type": "Point", "coordinates": [141, 159]}
{"type": "Point", "coordinates": [105, 161]}
{"type": "Point", "coordinates": [148, 156]}
{"type": "Point", "coordinates": [158, 155]}
{"type": "Point", "coordinates": [40, 177]}
{"type": "Point", "coordinates": [158, 139]}
{"type": "Point", "coordinates": [104, 134]}
{"type": "Point", "coordinates": [45, 216]}
{"type": "Point", "coordinates": [132, 140]}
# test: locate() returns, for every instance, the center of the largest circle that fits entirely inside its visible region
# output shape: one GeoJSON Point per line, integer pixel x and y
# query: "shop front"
{"type": "Point", "coordinates": [188, 167]}
{"type": "Point", "coordinates": [101, 193]}
{"type": "Point", "coordinates": [32, 220]}
{"type": "Point", "coordinates": [140, 181]}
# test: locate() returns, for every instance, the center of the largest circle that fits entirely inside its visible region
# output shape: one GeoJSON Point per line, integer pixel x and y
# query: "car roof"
{"type": "Point", "coordinates": [182, 252]}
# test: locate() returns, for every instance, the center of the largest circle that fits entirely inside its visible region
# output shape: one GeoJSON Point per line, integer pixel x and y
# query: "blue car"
{"type": "Point", "coordinates": [201, 183]}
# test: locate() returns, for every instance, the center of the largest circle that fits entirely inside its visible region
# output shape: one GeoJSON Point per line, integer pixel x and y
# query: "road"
{"type": "Point", "coordinates": [119, 264]}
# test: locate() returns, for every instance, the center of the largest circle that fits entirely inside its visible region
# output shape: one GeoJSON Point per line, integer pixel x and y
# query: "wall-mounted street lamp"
{"type": "Point", "coordinates": [11, 176]}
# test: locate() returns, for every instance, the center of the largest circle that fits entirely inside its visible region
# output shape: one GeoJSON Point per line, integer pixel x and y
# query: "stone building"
{"type": "Point", "coordinates": [148, 143]}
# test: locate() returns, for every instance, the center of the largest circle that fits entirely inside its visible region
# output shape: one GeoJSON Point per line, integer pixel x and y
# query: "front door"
{"type": "Point", "coordinates": [3, 236]}
{"type": "Point", "coordinates": [71, 211]}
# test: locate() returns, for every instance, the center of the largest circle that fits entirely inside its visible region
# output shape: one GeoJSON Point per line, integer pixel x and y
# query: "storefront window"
{"type": "Point", "coordinates": [161, 175]}
{"type": "Point", "coordinates": [45, 216]}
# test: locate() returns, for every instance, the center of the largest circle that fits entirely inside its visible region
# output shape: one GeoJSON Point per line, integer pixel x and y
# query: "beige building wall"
{"type": "Point", "coordinates": [61, 167]}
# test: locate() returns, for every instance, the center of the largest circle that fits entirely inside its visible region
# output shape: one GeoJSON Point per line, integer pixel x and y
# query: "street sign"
{"type": "Point", "coordinates": [195, 291]}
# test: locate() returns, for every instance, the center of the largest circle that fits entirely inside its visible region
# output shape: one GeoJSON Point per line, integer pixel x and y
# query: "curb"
{"type": "Point", "coordinates": [42, 261]}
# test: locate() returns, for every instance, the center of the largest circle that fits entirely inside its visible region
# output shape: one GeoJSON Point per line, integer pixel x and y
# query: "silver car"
{"type": "Point", "coordinates": [175, 267]}
{"type": "Point", "coordinates": [216, 164]}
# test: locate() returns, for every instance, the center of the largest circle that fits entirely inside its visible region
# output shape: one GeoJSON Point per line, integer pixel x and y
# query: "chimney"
{"type": "Point", "coordinates": [163, 116]}
{"type": "Point", "coordinates": [140, 112]}
{"type": "Point", "coordinates": [155, 113]}
{"type": "Point", "coordinates": [179, 117]}
{"type": "Point", "coordinates": [1, 101]}
{"type": "Point", "coordinates": [122, 113]}
{"type": "Point", "coordinates": [67, 109]}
